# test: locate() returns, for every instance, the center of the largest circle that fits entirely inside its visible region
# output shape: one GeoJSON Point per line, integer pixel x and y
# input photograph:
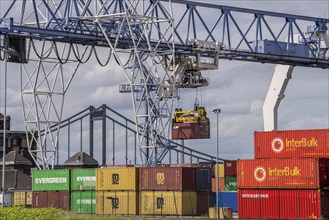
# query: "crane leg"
{"type": "Point", "coordinates": [281, 76]}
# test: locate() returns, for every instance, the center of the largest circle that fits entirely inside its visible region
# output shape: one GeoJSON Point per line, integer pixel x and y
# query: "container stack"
{"type": "Point", "coordinates": [117, 191]}
{"type": "Point", "coordinates": [227, 185]}
{"type": "Point", "coordinates": [175, 190]}
{"type": "Point", "coordinates": [83, 191]}
{"type": "Point", "coordinates": [23, 199]}
{"type": "Point", "coordinates": [51, 188]}
{"type": "Point", "coordinates": [204, 194]}
{"type": "Point", "coordinates": [289, 177]}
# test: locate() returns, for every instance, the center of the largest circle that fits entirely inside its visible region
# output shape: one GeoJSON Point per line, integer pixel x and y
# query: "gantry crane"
{"type": "Point", "coordinates": [152, 41]}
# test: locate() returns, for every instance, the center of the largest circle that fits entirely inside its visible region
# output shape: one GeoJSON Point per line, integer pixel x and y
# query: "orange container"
{"type": "Point", "coordinates": [290, 144]}
{"type": "Point", "coordinates": [221, 184]}
{"type": "Point", "coordinates": [283, 173]}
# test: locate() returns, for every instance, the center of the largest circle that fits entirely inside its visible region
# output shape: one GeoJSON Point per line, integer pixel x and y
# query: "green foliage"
{"type": "Point", "coordinates": [20, 213]}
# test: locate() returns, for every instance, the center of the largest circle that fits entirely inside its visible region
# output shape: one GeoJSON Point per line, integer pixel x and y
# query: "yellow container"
{"type": "Point", "coordinates": [168, 203]}
{"type": "Point", "coordinates": [224, 213]}
{"type": "Point", "coordinates": [123, 178]}
{"type": "Point", "coordinates": [117, 203]}
{"type": "Point", "coordinates": [22, 198]}
{"type": "Point", "coordinates": [220, 170]}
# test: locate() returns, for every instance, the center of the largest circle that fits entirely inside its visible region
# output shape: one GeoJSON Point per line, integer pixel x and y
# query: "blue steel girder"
{"type": "Point", "coordinates": [72, 21]}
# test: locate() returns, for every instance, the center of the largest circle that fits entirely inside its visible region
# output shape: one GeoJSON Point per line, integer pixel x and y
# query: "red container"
{"type": "Point", "coordinates": [59, 200]}
{"type": "Point", "coordinates": [191, 130]}
{"type": "Point", "coordinates": [168, 178]}
{"type": "Point", "coordinates": [283, 173]}
{"type": "Point", "coordinates": [289, 144]}
{"type": "Point", "coordinates": [204, 200]}
{"type": "Point", "coordinates": [283, 204]}
{"type": "Point", "coordinates": [230, 168]}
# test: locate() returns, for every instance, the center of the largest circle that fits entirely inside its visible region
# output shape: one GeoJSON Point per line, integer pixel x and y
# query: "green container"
{"type": "Point", "coordinates": [51, 180]}
{"type": "Point", "coordinates": [231, 183]}
{"type": "Point", "coordinates": [83, 179]}
{"type": "Point", "coordinates": [83, 202]}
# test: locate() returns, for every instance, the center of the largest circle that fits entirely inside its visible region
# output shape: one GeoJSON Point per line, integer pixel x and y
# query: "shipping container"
{"type": "Point", "coordinates": [283, 204]}
{"type": "Point", "coordinates": [294, 143]}
{"type": "Point", "coordinates": [220, 170]}
{"type": "Point", "coordinates": [168, 203]}
{"type": "Point", "coordinates": [231, 183]}
{"type": "Point", "coordinates": [83, 179]}
{"type": "Point", "coordinates": [221, 184]}
{"type": "Point", "coordinates": [23, 198]}
{"type": "Point", "coordinates": [204, 179]}
{"type": "Point", "coordinates": [204, 201]}
{"type": "Point", "coordinates": [168, 178]}
{"type": "Point", "coordinates": [117, 178]}
{"type": "Point", "coordinates": [230, 168]}
{"type": "Point", "coordinates": [283, 173]}
{"type": "Point", "coordinates": [51, 180]}
{"type": "Point", "coordinates": [226, 199]}
{"type": "Point", "coordinates": [58, 200]}
{"type": "Point", "coordinates": [117, 203]}
{"type": "Point", "coordinates": [83, 202]}
{"type": "Point", "coordinates": [191, 130]}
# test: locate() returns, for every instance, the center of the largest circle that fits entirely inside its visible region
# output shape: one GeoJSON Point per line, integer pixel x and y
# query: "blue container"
{"type": "Point", "coordinates": [226, 199]}
{"type": "Point", "coordinates": [204, 179]}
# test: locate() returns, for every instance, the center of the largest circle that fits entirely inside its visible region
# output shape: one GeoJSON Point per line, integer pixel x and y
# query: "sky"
{"type": "Point", "coordinates": [238, 88]}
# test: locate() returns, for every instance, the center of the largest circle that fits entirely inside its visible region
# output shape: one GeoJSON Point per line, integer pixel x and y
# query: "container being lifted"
{"type": "Point", "coordinates": [191, 124]}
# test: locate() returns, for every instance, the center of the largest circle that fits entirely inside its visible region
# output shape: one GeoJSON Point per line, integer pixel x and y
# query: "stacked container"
{"type": "Point", "coordinates": [23, 199]}
{"type": "Point", "coordinates": [175, 190]}
{"type": "Point", "coordinates": [51, 188]}
{"type": "Point", "coordinates": [227, 185]}
{"type": "Point", "coordinates": [83, 191]}
{"type": "Point", "coordinates": [117, 191]}
{"type": "Point", "coordinates": [289, 179]}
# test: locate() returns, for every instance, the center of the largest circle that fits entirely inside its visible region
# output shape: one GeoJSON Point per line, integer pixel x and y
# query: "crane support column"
{"type": "Point", "coordinates": [281, 76]}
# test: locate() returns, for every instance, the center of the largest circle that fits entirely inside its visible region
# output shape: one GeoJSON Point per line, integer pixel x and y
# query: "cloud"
{"type": "Point", "coordinates": [239, 88]}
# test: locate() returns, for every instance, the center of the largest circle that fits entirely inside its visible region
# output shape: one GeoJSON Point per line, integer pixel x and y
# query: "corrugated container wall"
{"type": "Point", "coordinates": [230, 168]}
{"type": "Point", "coordinates": [58, 200]}
{"type": "Point", "coordinates": [168, 178]}
{"type": "Point", "coordinates": [231, 183]}
{"type": "Point", "coordinates": [220, 170]}
{"type": "Point", "coordinates": [117, 203]}
{"type": "Point", "coordinates": [51, 180]}
{"type": "Point", "coordinates": [23, 198]}
{"type": "Point", "coordinates": [117, 178]}
{"type": "Point", "coordinates": [221, 184]}
{"type": "Point", "coordinates": [83, 179]}
{"type": "Point", "coordinates": [283, 173]}
{"type": "Point", "coordinates": [83, 202]}
{"type": "Point", "coordinates": [226, 199]}
{"type": "Point", "coordinates": [289, 144]}
{"type": "Point", "coordinates": [283, 204]}
{"type": "Point", "coordinates": [168, 203]}
{"type": "Point", "coordinates": [204, 179]}
{"type": "Point", "coordinates": [199, 130]}
{"type": "Point", "coordinates": [204, 201]}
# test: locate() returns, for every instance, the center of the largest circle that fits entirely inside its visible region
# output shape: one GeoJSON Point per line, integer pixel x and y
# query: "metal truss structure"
{"type": "Point", "coordinates": [145, 38]}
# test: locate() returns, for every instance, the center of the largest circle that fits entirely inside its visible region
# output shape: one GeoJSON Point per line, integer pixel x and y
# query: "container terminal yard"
{"type": "Point", "coordinates": [155, 162]}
